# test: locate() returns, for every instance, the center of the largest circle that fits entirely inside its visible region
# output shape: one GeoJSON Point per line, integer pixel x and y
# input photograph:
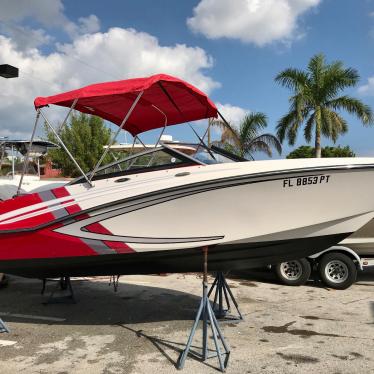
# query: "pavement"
{"type": "Point", "coordinates": [143, 326]}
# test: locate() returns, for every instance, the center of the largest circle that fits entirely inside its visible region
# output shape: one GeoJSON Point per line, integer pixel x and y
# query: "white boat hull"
{"type": "Point", "coordinates": [256, 214]}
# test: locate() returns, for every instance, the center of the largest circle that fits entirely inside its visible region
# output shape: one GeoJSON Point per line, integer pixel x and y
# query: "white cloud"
{"type": "Point", "coordinates": [116, 54]}
{"type": "Point", "coordinates": [47, 13]}
{"type": "Point", "coordinates": [368, 88]}
{"type": "Point", "coordinates": [231, 113]}
{"type": "Point", "coordinates": [26, 37]}
{"type": "Point", "coordinates": [89, 24]}
{"type": "Point", "coordinates": [252, 21]}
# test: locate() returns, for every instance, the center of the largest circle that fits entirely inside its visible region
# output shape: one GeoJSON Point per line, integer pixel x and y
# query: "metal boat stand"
{"type": "Point", "coordinates": [114, 280]}
{"type": "Point", "coordinates": [62, 284]}
{"type": "Point", "coordinates": [205, 311]}
{"type": "Point", "coordinates": [3, 327]}
{"type": "Point", "coordinates": [223, 294]}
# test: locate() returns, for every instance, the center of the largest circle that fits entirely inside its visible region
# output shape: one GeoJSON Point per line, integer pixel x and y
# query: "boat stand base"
{"type": "Point", "coordinates": [3, 327]}
{"type": "Point", "coordinates": [62, 284]}
{"type": "Point", "coordinates": [114, 280]}
{"type": "Point", "coordinates": [209, 322]}
{"type": "Point", "coordinates": [222, 298]}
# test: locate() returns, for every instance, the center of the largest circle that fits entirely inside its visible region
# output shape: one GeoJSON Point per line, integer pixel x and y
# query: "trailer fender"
{"type": "Point", "coordinates": [339, 248]}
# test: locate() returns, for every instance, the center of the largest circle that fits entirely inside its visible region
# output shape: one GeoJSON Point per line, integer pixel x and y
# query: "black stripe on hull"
{"type": "Point", "coordinates": [168, 194]}
{"type": "Point", "coordinates": [225, 257]}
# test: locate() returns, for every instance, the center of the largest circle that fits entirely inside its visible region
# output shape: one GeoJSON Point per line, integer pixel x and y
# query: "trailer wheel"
{"type": "Point", "coordinates": [293, 273]}
{"type": "Point", "coordinates": [337, 270]}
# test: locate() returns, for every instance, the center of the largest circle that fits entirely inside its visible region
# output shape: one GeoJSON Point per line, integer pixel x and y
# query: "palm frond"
{"type": "Point", "coordinates": [251, 126]}
{"type": "Point", "coordinates": [259, 146]}
{"type": "Point", "coordinates": [290, 120]}
{"type": "Point", "coordinates": [265, 143]}
{"type": "Point", "coordinates": [293, 78]}
{"type": "Point", "coordinates": [231, 136]}
{"type": "Point", "coordinates": [309, 128]}
{"type": "Point", "coordinates": [336, 79]}
{"type": "Point", "coordinates": [316, 68]}
{"type": "Point", "coordinates": [327, 124]}
{"type": "Point", "coordinates": [353, 106]}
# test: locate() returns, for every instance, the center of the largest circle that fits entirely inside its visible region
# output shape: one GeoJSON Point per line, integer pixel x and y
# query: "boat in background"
{"type": "Point", "coordinates": [131, 148]}
{"type": "Point", "coordinates": [153, 211]}
{"type": "Point", "coordinates": [32, 181]}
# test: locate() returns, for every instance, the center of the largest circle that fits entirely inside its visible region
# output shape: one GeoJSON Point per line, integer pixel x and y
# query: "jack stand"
{"type": "Point", "coordinates": [3, 327]}
{"type": "Point", "coordinates": [114, 279]}
{"type": "Point", "coordinates": [223, 293]}
{"type": "Point", "coordinates": [63, 284]}
{"type": "Point", "coordinates": [208, 318]}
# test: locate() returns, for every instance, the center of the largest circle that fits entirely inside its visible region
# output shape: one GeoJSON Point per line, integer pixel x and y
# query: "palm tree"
{"type": "Point", "coordinates": [316, 101]}
{"type": "Point", "coordinates": [246, 139]}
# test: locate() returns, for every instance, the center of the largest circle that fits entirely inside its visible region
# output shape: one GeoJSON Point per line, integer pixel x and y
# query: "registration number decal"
{"type": "Point", "coordinates": [305, 181]}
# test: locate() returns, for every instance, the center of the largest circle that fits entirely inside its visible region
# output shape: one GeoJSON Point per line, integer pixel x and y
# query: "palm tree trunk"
{"type": "Point", "coordinates": [317, 147]}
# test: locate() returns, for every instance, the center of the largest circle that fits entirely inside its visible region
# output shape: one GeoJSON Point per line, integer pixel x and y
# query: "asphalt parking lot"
{"type": "Point", "coordinates": [142, 327]}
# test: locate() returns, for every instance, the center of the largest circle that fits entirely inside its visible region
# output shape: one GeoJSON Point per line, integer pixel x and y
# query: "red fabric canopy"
{"type": "Point", "coordinates": [179, 100]}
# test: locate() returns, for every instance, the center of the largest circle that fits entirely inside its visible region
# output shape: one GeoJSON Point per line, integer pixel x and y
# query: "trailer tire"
{"type": "Point", "coordinates": [337, 270]}
{"type": "Point", "coordinates": [293, 273]}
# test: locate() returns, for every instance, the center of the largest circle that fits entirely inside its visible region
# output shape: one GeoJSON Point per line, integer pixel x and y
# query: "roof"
{"type": "Point", "coordinates": [177, 99]}
{"type": "Point", "coordinates": [135, 148]}
{"type": "Point", "coordinates": [38, 148]}
{"type": "Point", "coordinates": [42, 143]}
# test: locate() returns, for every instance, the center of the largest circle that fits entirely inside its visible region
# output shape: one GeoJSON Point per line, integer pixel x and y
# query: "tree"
{"type": "Point", "coordinates": [85, 137]}
{"type": "Point", "coordinates": [316, 101]}
{"type": "Point", "coordinates": [247, 139]}
{"type": "Point", "coordinates": [306, 151]}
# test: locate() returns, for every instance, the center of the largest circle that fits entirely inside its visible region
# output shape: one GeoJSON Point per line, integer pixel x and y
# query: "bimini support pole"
{"type": "Point", "coordinates": [205, 312]}
{"type": "Point", "coordinates": [26, 160]}
{"type": "Point", "coordinates": [2, 145]}
{"type": "Point", "coordinates": [65, 148]}
{"type": "Point", "coordinates": [165, 124]}
{"type": "Point", "coordinates": [59, 129]}
{"type": "Point", "coordinates": [222, 296]}
{"type": "Point", "coordinates": [161, 133]}
{"type": "Point", "coordinates": [13, 162]}
{"type": "Point", "coordinates": [141, 142]}
{"type": "Point", "coordinates": [116, 134]}
{"type": "Point", "coordinates": [224, 121]}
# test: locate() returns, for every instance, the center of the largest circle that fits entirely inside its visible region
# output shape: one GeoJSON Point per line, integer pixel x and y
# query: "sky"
{"type": "Point", "coordinates": [232, 50]}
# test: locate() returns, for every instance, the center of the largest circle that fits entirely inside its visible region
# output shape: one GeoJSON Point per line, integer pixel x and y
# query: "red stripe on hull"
{"type": "Point", "coordinates": [22, 202]}
{"type": "Point", "coordinates": [63, 192]}
{"type": "Point", "coordinates": [119, 247]}
{"type": "Point", "coordinates": [46, 243]}
{"type": "Point", "coordinates": [42, 244]}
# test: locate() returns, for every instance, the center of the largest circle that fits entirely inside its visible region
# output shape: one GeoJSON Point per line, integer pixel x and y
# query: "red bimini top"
{"type": "Point", "coordinates": [178, 100]}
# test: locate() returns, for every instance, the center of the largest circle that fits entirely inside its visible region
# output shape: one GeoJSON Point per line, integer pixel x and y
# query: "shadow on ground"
{"type": "Point", "coordinates": [97, 303]}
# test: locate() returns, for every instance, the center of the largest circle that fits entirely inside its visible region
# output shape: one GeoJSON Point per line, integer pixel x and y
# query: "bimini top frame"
{"type": "Point", "coordinates": [136, 105]}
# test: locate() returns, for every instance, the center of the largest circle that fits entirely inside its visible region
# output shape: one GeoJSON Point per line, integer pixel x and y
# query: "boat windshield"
{"type": "Point", "coordinates": [145, 161]}
{"type": "Point", "coordinates": [211, 157]}
{"type": "Point", "coordinates": [165, 156]}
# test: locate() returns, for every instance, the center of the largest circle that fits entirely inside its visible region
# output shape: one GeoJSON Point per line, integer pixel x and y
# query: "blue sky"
{"type": "Point", "coordinates": [236, 66]}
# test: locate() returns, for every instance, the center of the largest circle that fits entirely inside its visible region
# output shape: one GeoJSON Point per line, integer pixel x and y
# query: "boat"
{"type": "Point", "coordinates": [131, 148]}
{"type": "Point", "coordinates": [155, 210]}
{"type": "Point", "coordinates": [31, 180]}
